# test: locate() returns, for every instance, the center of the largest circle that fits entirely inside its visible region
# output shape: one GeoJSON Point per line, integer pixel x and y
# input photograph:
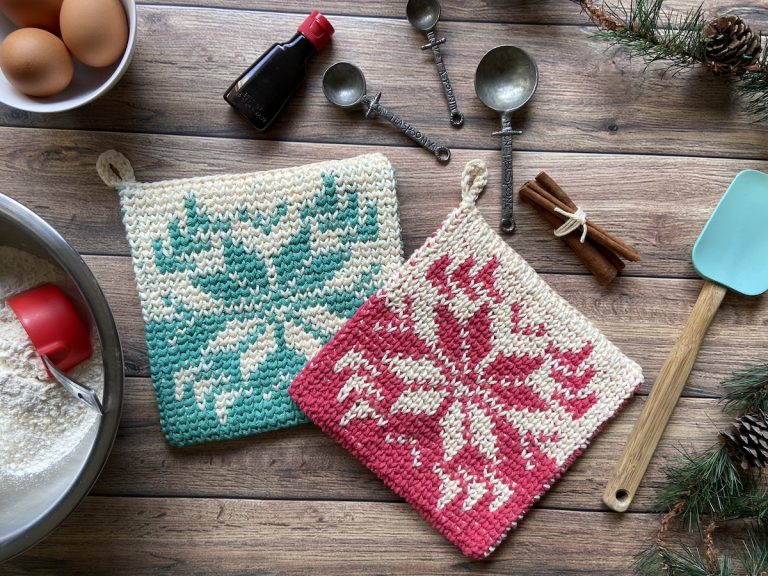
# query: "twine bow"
{"type": "Point", "coordinates": [575, 220]}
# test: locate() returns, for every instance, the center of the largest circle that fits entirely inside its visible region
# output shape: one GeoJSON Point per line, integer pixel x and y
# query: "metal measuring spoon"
{"type": "Point", "coordinates": [423, 15]}
{"type": "Point", "coordinates": [344, 86]}
{"type": "Point", "coordinates": [505, 80]}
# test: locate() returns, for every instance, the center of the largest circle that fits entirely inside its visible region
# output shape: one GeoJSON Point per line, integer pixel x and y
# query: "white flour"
{"type": "Point", "coordinates": [40, 422]}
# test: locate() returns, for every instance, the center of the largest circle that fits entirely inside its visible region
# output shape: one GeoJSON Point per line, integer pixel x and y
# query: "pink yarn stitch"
{"type": "Point", "coordinates": [466, 384]}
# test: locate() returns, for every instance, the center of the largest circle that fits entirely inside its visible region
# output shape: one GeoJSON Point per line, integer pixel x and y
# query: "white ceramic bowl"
{"type": "Point", "coordinates": [87, 84]}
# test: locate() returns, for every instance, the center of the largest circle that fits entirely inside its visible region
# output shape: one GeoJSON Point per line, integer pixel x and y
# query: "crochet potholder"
{"type": "Point", "coordinates": [242, 279]}
{"type": "Point", "coordinates": [466, 383]}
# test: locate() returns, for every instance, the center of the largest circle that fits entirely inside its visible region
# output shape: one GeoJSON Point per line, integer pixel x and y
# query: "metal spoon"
{"type": "Point", "coordinates": [505, 80]}
{"type": "Point", "coordinates": [344, 86]}
{"type": "Point", "coordinates": [79, 391]}
{"type": "Point", "coordinates": [423, 15]}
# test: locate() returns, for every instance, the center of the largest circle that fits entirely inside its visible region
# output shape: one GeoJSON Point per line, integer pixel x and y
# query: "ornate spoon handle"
{"type": "Point", "coordinates": [457, 118]}
{"type": "Point", "coordinates": [507, 191]}
{"type": "Point", "coordinates": [442, 153]}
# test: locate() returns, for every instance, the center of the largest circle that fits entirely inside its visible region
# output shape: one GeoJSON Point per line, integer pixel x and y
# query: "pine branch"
{"type": "Point", "coordinates": [687, 561]}
{"type": "Point", "coordinates": [752, 506]}
{"type": "Point", "coordinates": [650, 562]}
{"type": "Point", "coordinates": [709, 485]}
{"type": "Point", "coordinates": [754, 556]}
{"type": "Point", "coordinates": [645, 29]}
{"type": "Point", "coordinates": [712, 487]}
{"type": "Point", "coordinates": [747, 390]}
{"type": "Point", "coordinates": [753, 86]}
{"type": "Point", "coordinates": [710, 552]}
{"type": "Point", "coordinates": [599, 16]}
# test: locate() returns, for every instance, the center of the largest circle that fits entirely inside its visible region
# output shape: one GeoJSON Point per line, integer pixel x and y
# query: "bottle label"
{"type": "Point", "coordinates": [252, 106]}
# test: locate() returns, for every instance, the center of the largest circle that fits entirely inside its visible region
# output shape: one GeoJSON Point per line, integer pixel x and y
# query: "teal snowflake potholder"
{"type": "Point", "coordinates": [243, 278]}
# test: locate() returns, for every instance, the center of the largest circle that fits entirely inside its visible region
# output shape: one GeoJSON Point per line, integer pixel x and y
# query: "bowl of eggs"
{"type": "Point", "coordinates": [57, 55]}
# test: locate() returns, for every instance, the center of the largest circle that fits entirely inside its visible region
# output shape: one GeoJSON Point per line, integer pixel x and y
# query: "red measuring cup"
{"type": "Point", "coordinates": [53, 325]}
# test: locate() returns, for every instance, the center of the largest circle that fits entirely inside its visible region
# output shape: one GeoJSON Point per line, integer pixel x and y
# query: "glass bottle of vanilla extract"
{"type": "Point", "coordinates": [263, 90]}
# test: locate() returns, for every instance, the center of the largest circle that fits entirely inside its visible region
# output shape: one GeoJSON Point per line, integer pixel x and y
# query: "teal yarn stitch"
{"type": "Point", "coordinates": [242, 279]}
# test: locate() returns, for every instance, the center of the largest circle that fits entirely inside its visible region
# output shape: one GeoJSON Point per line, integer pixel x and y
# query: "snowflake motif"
{"type": "Point", "coordinates": [440, 390]}
{"type": "Point", "coordinates": [265, 311]}
{"type": "Point", "coordinates": [466, 383]}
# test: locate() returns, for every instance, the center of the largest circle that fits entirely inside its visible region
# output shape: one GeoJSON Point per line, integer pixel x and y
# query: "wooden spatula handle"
{"type": "Point", "coordinates": [661, 401]}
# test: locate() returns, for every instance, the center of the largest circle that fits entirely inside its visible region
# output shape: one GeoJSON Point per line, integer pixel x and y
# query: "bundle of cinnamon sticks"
{"type": "Point", "coordinates": [601, 252]}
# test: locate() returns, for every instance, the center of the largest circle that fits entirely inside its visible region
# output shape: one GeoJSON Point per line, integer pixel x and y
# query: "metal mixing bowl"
{"type": "Point", "coordinates": [33, 514]}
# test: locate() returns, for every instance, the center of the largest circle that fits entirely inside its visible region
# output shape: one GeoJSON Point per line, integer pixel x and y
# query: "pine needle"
{"type": "Point", "coordinates": [649, 562]}
{"type": "Point", "coordinates": [709, 484]}
{"type": "Point", "coordinates": [710, 487]}
{"type": "Point", "coordinates": [752, 505]}
{"type": "Point", "coordinates": [747, 390]}
{"type": "Point", "coordinates": [754, 556]}
{"type": "Point", "coordinates": [687, 561]}
{"type": "Point", "coordinates": [647, 30]}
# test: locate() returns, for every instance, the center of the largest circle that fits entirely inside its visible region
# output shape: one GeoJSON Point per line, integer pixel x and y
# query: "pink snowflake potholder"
{"type": "Point", "coordinates": [466, 383]}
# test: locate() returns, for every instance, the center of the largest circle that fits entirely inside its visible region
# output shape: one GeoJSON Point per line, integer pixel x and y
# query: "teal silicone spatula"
{"type": "Point", "coordinates": [731, 253]}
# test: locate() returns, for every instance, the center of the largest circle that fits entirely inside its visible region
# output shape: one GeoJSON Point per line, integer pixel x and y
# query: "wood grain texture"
{"type": "Point", "coordinates": [138, 536]}
{"type": "Point", "coordinates": [642, 199]}
{"type": "Point", "coordinates": [508, 11]}
{"type": "Point", "coordinates": [303, 463]}
{"type": "Point", "coordinates": [185, 60]}
{"type": "Point", "coordinates": [643, 316]}
{"type": "Point", "coordinates": [662, 399]}
{"type": "Point", "coordinates": [647, 156]}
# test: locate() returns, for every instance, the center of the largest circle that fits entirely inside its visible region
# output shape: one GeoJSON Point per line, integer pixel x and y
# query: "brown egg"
{"type": "Point", "coordinates": [36, 62]}
{"type": "Point", "coordinates": [33, 13]}
{"type": "Point", "coordinates": [95, 31]}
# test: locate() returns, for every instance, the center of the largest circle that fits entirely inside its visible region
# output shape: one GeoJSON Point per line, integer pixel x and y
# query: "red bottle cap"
{"type": "Point", "coordinates": [317, 29]}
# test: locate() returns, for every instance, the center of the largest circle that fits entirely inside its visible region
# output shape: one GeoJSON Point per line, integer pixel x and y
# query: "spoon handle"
{"type": "Point", "coordinates": [507, 191]}
{"type": "Point", "coordinates": [658, 408]}
{"type": "Point", "coordinates": [79, 391]}
{"type": "Point", "coordinates": [457, 118]}
{"type": "Point", "coordinates": [442, 153]}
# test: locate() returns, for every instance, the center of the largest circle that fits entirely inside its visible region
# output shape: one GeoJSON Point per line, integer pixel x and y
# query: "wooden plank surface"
{"type": "Point", "coordinates": [508, 11]}
{"type": "Point", "coordinates": [647, 156]}
{"type": "Point", "coordinates": [642, 315]}
{"type": "Point", "coordinates": [176, 81]}
{"type": "Point", "coordinates": [238, 537]}
{"type": "Point", "coordinates": [656, 203]}
{"type": "Point", "coordinates": [304, 464]}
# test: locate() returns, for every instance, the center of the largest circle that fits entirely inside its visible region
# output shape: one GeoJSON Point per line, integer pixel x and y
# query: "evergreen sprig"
{"type": "Point", "coordinates": [754, 555]}
{"type": "Point", "coordinates": [647, 30]}
{"type": "Point", "coordinates": [710, 486]}
{"type": "Point", "coordinates": [747, 390]}
{"type": "Point", "coordinates": [707, 489]}
{"type": "Point", "coordinates": [687, 561]}
{"type": "Point", "coordinates": [753, 86]}
{"type": "Point", "coordinates": [754, 506]}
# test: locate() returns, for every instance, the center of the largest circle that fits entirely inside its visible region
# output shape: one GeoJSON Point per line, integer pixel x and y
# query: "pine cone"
{"type": "Point", "coordinates": [731, 45]}
{"type": "Point", "coordinates": [747, 440]}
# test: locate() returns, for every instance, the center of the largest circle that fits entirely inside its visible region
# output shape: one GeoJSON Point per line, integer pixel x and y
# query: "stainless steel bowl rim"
{"type": "Point", "coordinates": [112, 358]}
